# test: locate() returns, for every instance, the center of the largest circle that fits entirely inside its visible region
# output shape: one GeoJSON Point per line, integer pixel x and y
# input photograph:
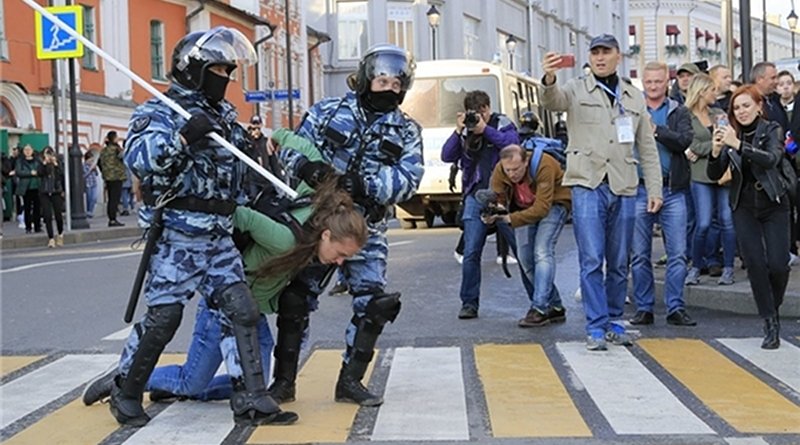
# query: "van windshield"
{"type": "Point", "coordinates": [434, 102]}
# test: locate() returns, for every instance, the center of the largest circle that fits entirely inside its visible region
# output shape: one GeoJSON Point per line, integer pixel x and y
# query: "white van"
{"type": "Point", "coordinates": [433, 101]}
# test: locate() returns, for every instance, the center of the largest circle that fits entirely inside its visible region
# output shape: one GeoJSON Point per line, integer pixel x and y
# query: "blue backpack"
{"type": "Point", "coordinates": [539, 145]}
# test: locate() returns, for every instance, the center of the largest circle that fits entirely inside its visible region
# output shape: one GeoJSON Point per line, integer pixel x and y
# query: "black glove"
{"type": "Point", "coordinates": [196, 128]}
{"type": "Point", "coordinates": [353, 185]}
{"type": "Point", "coordinates": [314, 172]}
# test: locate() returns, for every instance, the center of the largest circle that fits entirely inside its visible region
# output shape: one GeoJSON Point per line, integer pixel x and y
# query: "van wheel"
{"type": "Point", "coordinates": [408, 224]}
{"type": "Point", "coordinates": [449, 218]}
{"type": "Point", "coordinates": [427, 222]}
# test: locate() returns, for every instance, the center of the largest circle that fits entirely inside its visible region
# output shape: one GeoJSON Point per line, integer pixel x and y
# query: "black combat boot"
{"type": "Point", "coordinates": [287, 356]}
{"type": "Point", "coordinates": [772, 333]}
{"type": "Point", "coordinates": [349, 388]}
{"type": "Point", "coordinates": [257, 408]}
{"type": "Point", "coordinates": [126, 408]}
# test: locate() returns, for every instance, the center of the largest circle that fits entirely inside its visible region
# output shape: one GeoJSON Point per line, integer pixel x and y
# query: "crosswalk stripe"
{"type": "Point", "coordinates": [524, 395]}
{"type": "Point", "coordinates": [42, 386]}
{"type": "Point", "coordinates": [424, 399]}
{"type": "Point", "coordinates": [783, 363]}
{"type": "Point", "coordinates": [322, 420]}
{"type": "Point", "coordinates": [631, 398]}
{"type": "Point", "coordinates": [196, 423]}
{"type": "Point", "coordinates": [76, 424]}
{"type": "Point", "coordinates": [9, 364]}
{"type": "Point", "coordinates": [746, 441]}
{"type": "Point", "coordinates": [742, 400]}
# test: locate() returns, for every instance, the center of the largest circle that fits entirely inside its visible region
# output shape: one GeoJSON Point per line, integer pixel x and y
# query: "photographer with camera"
{"type": "Point", "coordinates": [476, 144]}
{"type": "Point", "coordinates": [538, 206]}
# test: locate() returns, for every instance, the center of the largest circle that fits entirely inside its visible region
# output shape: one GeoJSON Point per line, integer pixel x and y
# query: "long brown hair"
{"type": "Point", "coordinates": [334, 211]}
{"type": "Point", "coordinates": [751, 91]}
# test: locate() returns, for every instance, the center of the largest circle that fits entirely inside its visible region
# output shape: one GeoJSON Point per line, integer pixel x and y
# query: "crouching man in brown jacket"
{"type": "Point", "coordinates": [538, 206]}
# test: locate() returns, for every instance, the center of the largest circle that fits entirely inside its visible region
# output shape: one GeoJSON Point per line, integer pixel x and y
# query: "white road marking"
{"type": "Point", "coordinates": [197, 423]}
{"type": "Point", "coordinates": [34, 390]}
{"type": "Point", "coordinates": [632, 399]}
{"type": "Point", "coordinates": [746, 441]}
{"type": "Point", "coordinates": [122, 334]}
{"type": "Point", "coordinates": [782, 363]}
{"type": "Point", "coordinates": [401, 243]}
{"type": "Point", "coordinates": [424, 399]}
{"type": "Point", "coordinates": [68, 261]}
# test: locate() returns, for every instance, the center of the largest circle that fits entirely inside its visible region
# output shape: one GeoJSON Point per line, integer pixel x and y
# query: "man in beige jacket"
{"type": "Point", "coordinates": [610, 138]}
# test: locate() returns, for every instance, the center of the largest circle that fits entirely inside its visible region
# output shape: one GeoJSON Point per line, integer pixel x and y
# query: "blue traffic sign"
{"type": "Point", "coordinates": [256, 96]}
{"type": "Point", "coordinates": [52, 42]}
{"type": "Point", "coordinates": [265, 95]}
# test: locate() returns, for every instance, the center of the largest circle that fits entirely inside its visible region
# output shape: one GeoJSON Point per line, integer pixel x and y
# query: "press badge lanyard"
{"type": "Point", "coordinates": [623, 123]}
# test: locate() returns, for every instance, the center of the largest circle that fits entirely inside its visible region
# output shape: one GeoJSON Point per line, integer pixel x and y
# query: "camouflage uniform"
{"type": "Point", "coordinates": [388, 180]}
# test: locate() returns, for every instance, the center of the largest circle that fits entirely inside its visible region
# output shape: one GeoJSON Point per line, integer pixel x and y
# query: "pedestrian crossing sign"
{"type": "Point", "coordinates": [52, 42]}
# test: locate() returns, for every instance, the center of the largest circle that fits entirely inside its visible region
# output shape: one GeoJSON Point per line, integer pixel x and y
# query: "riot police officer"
{"type": "Point", "coordinates": [529, 124]}
{"type": "Point", "coordinates": [377, 151]}
{"type": "Point", "coordinates": [195, 184]}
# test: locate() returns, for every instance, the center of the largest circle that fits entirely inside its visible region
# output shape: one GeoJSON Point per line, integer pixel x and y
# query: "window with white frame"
{"type": "Point", "coordinates": [401, 24]}
{"type": "Point", "coordinates": [89, 60]}
{"type": "Point", "coordinates": [157, 65]}
{"type": "Point", "coordinates": [352, 29]}
{"type": "Point", "coordinates": [471, 30]}
{"type": "Point", "coordinates": [3, 40]}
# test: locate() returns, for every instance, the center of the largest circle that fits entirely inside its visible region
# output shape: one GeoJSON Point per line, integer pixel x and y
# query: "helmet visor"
{"type": "Point", "coordinates": [225, 46]}
{"type": "Point", "coordinates": [391, 65]}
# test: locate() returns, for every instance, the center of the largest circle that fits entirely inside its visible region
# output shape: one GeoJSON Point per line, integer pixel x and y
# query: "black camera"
{"type": "Point", "coordinates": [489, 205]}
{"type": "Point", "coordinates": [471, 119]}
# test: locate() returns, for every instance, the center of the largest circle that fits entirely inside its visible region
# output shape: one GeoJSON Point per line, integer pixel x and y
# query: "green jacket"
{"type": "Point", "coordinates": [25, 179]}
{"type": "Point", "coordinates": [272, 238]}
{"type": "Point", "coordinates": [111, 163]}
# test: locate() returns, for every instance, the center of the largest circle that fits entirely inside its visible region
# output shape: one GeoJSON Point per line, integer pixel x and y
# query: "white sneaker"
{"type": "Point", "coordinates": [578, 295]}
{"type": "Point", "coordinates": [459, 257]}
{"type": "Point", "coordinates": [794, 260]}
{"type": "Point", "coordinates": [509, 260]}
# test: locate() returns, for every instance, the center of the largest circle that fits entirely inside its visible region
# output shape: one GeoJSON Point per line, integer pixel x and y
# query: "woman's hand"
{"type": "Point", "coordinates": [729, 137]}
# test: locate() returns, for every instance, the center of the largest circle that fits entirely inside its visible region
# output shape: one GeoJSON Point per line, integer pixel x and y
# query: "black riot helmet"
{"type": "Point", "coordinates": [199, 50]}
{"type": "Point", "coordinates": [528, 123]}
{"type": "Point", "coordinates": [384, 60]}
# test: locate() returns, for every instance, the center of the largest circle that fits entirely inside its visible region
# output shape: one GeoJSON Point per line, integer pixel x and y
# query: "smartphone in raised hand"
{"type": "Point", "coordinates": [567, 61]}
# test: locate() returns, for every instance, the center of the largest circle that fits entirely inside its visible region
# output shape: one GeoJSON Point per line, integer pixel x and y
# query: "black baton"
{"type": "Point", "coordinates": [153, 234]}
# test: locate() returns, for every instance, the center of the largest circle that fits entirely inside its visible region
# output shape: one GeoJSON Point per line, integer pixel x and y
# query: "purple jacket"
{"type": "Point", "coordinates": [499, 133]}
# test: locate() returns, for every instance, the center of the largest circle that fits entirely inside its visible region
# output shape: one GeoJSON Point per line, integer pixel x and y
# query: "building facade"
{"type": "Point", "coordinates": [687, 31]}
{"type": "Point", "coordinates": [467, 29]}
{"type": "Point", "coordinates": [141, 34]}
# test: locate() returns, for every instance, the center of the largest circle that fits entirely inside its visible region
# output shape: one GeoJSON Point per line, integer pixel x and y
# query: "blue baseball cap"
{"type": "Point", "coordinates": [604, 40]}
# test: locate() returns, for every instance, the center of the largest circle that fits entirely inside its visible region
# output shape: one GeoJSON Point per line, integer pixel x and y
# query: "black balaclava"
{"type": "Point", "coordinates": [213, 87]}
{"type": "Point", "coordinates": [382, 101]}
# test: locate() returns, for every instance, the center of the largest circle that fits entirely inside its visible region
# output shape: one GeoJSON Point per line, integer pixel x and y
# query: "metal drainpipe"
{"type": "Point", "coordinates": [257, 65]}
{"type": "Point", "coordinates": [192, 14]}
{"type": "Point", "coordinates": [320, 41]}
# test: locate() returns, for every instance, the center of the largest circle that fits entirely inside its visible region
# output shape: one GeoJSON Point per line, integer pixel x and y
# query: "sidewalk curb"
{"type": "Point", "coordinates": [737, 299]}
{"type": "Point", "coordinates": [73, 237]}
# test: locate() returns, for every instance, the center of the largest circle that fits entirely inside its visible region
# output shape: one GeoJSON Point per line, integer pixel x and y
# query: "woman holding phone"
{"type": "Point", "coordinates": [753, 148]}
{"type": "Point", "coordinates": [708, 195]}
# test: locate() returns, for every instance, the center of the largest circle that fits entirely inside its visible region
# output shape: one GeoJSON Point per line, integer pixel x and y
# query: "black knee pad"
{"type": "Point", "coordinates": [383, 308]}
{"type": "Point", "coordinates": [293, 302]}
{"type": "Point", "coordinates": [237, 303]}
{"type": "Point", "coordinates": [162, 321]}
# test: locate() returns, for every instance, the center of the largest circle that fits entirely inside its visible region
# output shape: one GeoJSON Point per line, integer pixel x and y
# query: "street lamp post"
{"type": "Point", "coordinates": [433, 21]}
{"type": "Point", "coordinates": [791, 19]}
{"type": "Point", "coordinates": [511, 45]}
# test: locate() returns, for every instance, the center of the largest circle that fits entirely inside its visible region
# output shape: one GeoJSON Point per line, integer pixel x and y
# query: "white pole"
{"type": "Point", "coordinates": [62, 86]}
{"type": "Point", "coordinates": [170, 103]}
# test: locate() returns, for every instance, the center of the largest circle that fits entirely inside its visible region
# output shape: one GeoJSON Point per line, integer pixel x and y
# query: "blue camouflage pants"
{"type": "Point", "coordinates": [180, 266]}
{"type": "Point", "coordinates": [365, 274]}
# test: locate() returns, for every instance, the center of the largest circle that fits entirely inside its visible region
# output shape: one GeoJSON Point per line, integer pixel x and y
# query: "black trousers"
{"type": "Point", "coordinates": [114, 193]}
{"type": "Point", "coordinates": [52, 206]}
{"type": "Point", "coordinates": [762, 229]}
{"type": "Point", "coordinates": [32, 206]}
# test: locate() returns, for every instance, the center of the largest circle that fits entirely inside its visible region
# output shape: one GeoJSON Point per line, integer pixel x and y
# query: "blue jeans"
{"type": "Point", "coordinates": [672, 218]}
{"type": "Point", "coordinates": [536, 252]}
{"type": "Point", "coordinates": [127, 198]}
{"type": "Point", "coordinates": [708, 197]}
{"type": "Point", "coordinates": [474, 240]}
{"type": "Point", "coordinates": [603, 224]}
{"type": "Point", "coordinates": [195, 378]}
{"type": "Point", "coordinates": [91, 199]}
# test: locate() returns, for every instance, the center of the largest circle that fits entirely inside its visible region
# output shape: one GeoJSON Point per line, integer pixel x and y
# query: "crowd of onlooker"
{"type": "Point", "coordinates": [36, 182]}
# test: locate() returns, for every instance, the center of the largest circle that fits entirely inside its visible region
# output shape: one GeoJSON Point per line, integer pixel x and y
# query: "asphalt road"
{"type": "Point", "coordinates": [70, 301]}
